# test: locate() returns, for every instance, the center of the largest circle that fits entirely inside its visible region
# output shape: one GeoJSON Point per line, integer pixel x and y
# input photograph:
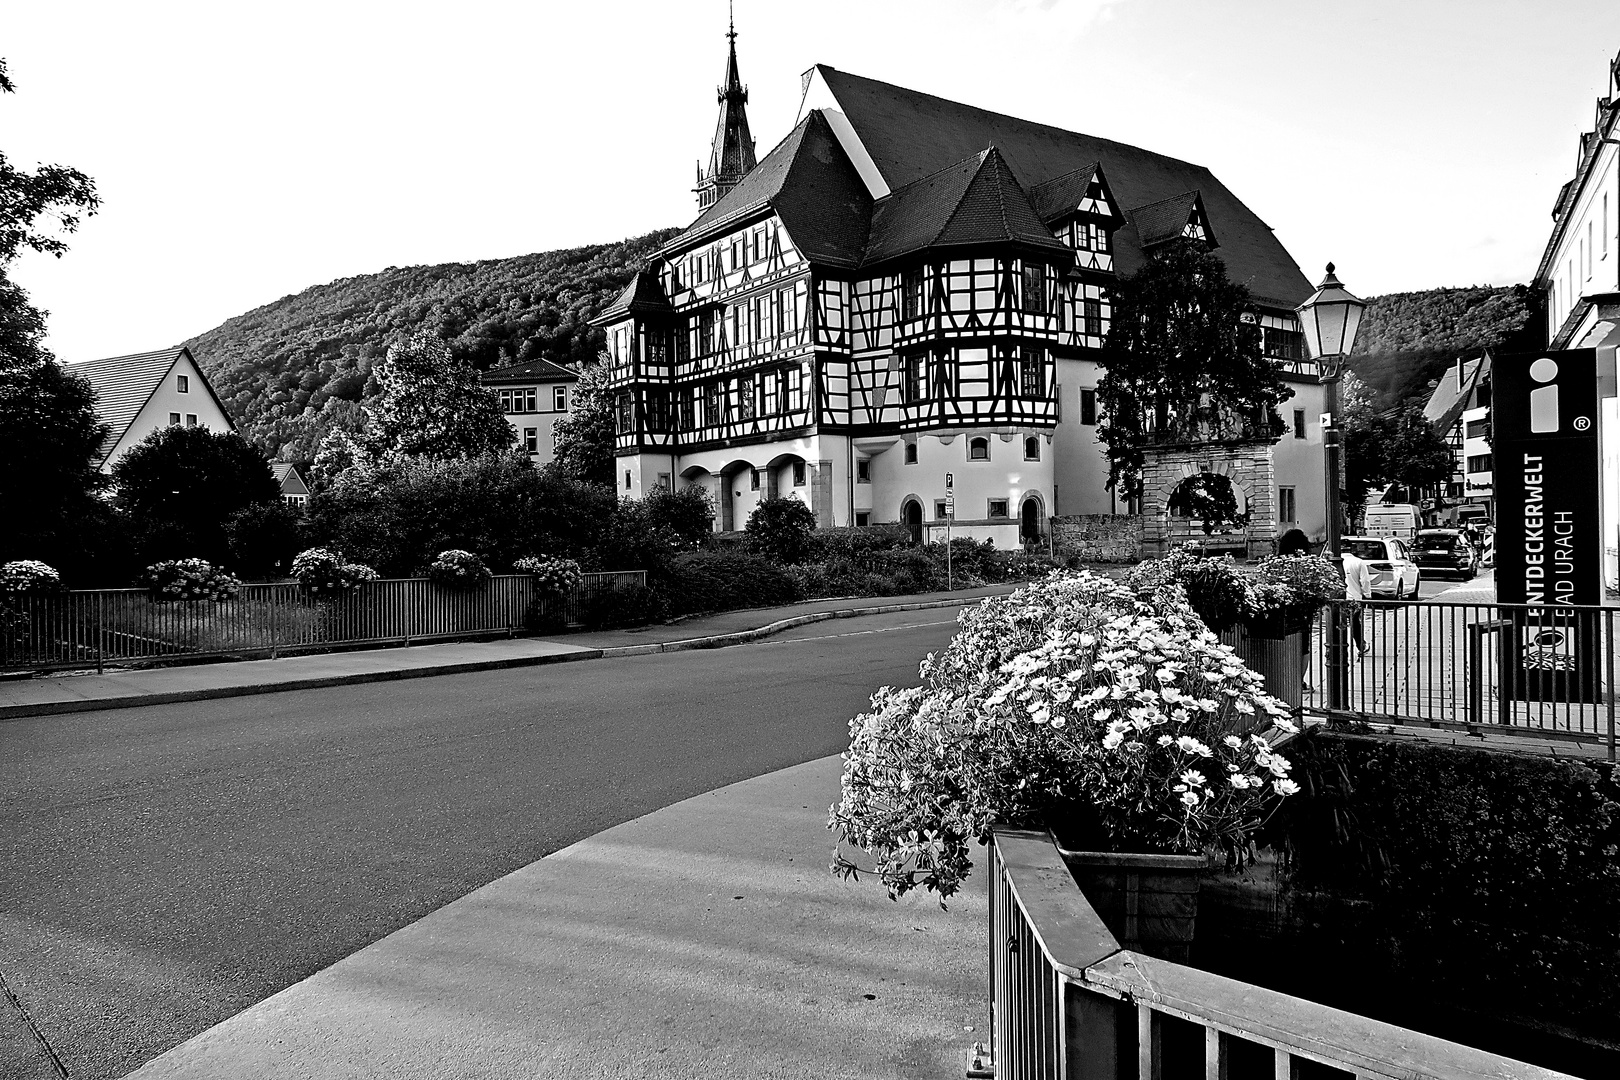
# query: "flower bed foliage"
{"type": "Point", "coordinates": [29, 576]}
{"type": "Point", "coordinates": [1465, 875]}
{"type": "Point", "coordinates": [1070, 698]}
{"type": "Point", "coordinates": [458, 569]}
{"type": "Point", "coordinates": [1223, 593]}
{"type": "Point", "coordinates": [189, 579]}
{"type": "Point", "coordinates": [326, 573]}
{"type": "Point", "coordinates": [702, 581]}
{"type": "Point", "coordinates": [552, 576]}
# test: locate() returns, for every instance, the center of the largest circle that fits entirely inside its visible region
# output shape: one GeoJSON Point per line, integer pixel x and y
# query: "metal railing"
{"type": "Point", "coordinates": [1069, 1004]}
{"type": "Point", "coordinates": [94, 627]}
{"type": "Point", "coordinates": [1541, 670]}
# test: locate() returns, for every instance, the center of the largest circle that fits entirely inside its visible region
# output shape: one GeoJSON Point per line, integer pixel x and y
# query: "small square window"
{"type": "Point", "coordinates": [191, 419]}
{"type": "Point", "coordinates": [182, 383]}
{"type": "Point", "coordinates": [798, 474]}
{"type": "Point", "coordinates": [1299, 423]}
{"type": "Point", "coordinates": [978, 449]}
{"type": "Point", "coordinates": [998, 508]}
{"type": "Point", "coordinates": [939, 510]}
{"type": "Point", "coordinates": [863, 470]}
{"type": "Point", "coordinates": [911, 453]}
{"type": "Point", "coordinates": [174, 418]}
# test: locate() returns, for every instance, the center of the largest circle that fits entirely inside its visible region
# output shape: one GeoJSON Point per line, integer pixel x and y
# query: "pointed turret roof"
{"type": "Point", "coordinates": [731, 154]}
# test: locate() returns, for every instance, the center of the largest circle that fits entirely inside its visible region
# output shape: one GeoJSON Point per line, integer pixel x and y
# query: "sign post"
{"type": "Point", "coordinates": [950, 516]}
{"type": "Point", "coordinates": [1548, 539]}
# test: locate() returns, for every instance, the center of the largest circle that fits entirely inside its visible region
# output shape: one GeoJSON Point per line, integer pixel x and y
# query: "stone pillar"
{"type": "Point", "coordinates": [821, 493]}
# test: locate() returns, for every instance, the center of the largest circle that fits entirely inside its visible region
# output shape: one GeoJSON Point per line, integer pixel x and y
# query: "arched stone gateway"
{"type": "Point", "coordinates": [1250, 467]}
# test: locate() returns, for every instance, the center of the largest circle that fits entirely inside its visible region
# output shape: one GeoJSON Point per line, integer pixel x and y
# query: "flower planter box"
{"type": "Point", "coordinates": [1274, 649]}
{"type": "Point", "coordinates": [1148, 902]}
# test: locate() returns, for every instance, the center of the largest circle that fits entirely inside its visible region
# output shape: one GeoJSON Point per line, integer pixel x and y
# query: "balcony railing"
{"type": "Point", "coordinates": [1069, 1003]}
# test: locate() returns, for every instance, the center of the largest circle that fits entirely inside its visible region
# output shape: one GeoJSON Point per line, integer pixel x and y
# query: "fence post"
{"type": "Point", "coordinates": [1613, 691]}
{"type": "Point", "coordinates": [101, 636]}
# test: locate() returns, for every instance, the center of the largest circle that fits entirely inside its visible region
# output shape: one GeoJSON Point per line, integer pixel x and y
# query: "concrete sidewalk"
{"type": "Point", "coordinates": [705, 939]}
{"type": "Point", "coordinates": [83, 691]}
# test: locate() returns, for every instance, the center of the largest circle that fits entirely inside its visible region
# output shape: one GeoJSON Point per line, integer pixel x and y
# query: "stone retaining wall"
{"type": "Point", "coordinates": [1098, 537]}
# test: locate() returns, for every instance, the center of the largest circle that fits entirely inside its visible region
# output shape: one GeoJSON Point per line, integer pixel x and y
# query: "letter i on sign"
{"type": "Point", "coordinates": [1544, 399]}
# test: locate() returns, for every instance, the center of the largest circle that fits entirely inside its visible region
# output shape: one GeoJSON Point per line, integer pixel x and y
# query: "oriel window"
{"type": "Point", "coordinates": [1035, 288]}
{"type": "Point", "coordinates": [1031, 373]}
{"type": "Point", "coordinates": [916, 376]}
{"type": "Point", "coordinates": [911, 294]}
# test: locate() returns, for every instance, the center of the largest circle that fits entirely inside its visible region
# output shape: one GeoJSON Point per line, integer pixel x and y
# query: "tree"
{"type": "Point", "coordinates": [782, 528]}
{"type": "Point", "coordinates": [1391, 446]}
{"type": "Point", "coordinates": [1184, 362]}
{"type": "Point", "coordinates": [264, 539]}
{"type": "Point", "coordinates": [180, 485]}
{"type": "Point", "coordinates": [688, 513]}
{"type": "Point", "coordinates": [584, 438]}
{"type": "Point", "coordinates": [50, 435]}
{"type": "Point", "coordinates": [432, 405]}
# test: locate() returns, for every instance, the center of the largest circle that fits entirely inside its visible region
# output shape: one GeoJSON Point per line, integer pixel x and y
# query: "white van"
{"type": "Point", "coordinates": [1400, 520]}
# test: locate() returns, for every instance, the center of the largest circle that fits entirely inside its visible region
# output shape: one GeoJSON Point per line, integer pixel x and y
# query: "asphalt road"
{"type": "Point", "coordinates": [166, 867]}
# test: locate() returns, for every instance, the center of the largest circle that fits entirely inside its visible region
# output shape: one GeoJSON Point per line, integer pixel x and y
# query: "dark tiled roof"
{"type": "Point", "coordinates": [1060, 195]}
{"type": "Point", "coordinates": [910, 135]}
{"type": "Point", "coordinates": [531, 372]}
{"type": "Point", "coordinates": [124, 384]}
{"type": "Point", "coordinates": [645, 293]}
{"type": "Point", "coordinates": [1448, 401]}
{"type": "Point", "coordinates": [810, 184]}
{"type": "Point", "coordinates": [973, 202]}
{"type": "Point", "coordinates": [1164, 220]}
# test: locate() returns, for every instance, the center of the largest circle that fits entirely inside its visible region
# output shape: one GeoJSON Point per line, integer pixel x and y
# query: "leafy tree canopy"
{"type": "Point", "coordinates": [782, 528]}
{"type": "Point", "coordinates": [1389, 446]}
{"type": "Point", "coordinates": [584, 438]}
{"type": "Point", "coordinates": [294, 369]}
{"type": "Point", "coordinates": [431, 404]}
{"type": "Point", "coordinates": [181, 485]}
{"type": "Point", "coordinates": [1183, 364]}
{"type": "Point", "coordinates": [1407, 340]}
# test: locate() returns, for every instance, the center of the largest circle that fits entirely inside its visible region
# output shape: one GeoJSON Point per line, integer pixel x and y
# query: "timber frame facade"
{"type": "Point", "coordinates": [886, 331]}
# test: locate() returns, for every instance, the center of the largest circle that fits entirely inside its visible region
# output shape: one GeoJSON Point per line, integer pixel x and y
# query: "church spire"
{"type": "Point", "coordinates": [731, 154]}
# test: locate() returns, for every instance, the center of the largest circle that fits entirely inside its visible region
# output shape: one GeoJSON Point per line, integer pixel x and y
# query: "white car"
{"type": "Point", "coordinates": [1394, 574]}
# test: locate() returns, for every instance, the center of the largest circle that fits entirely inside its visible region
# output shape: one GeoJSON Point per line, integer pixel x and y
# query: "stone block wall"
{"type": "Point", "coordinates": [1250, 466]}
{"type": "Point", "coordinates": [1097, 537]}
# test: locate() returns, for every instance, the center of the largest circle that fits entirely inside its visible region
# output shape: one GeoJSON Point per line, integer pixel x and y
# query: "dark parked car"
{"type": "Point", "coordinates": [1445, 551]}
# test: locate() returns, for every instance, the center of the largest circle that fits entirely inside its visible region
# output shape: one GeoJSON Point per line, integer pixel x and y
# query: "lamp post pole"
{"type": "Point", "coordinates": [1329, 320]}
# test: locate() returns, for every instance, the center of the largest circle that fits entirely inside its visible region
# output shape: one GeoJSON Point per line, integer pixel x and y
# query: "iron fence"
{"type": "Point", "coordinates": [1069, 1004]}
{"type": "Point", "coordinates": [1524, 669]}
{"type": "Point", "coordinates": [95, 627]}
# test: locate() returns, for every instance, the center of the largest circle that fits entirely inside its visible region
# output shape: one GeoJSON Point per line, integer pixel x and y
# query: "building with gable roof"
{"type": "Point", "coordinates": [901, 308]}
{"type": "Point", "coordinates": [144, 392]}
{"type": "Point", "coordinates": [534, 396]}
{"type": "Point", "coordinates": [1459, 407]}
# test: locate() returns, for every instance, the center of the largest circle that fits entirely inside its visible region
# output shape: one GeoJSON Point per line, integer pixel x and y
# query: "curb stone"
{"type": "Point", "coordinates": [714, 641]}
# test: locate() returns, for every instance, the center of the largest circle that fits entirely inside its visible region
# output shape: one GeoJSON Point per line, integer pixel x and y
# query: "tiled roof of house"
{"type": "Point", "coordinates": [1162, 221]}
{"type": "Point", "coordinates": [971, 202]}
{"type": "Point", "coordinates": [1449, 400]}
{"type": "Point", "coordinates": [910, 135]}
{"type": "Point", "coordinates": [1059, 196]}
{"type": "Point", "coordinates": [810, 184]}
{"type": "Point", "coordinates": [645, 293]}
{"type": "Point", "coordinates": [289, 478]}
{"type": "Point", "coordinates": [124, 384]}
{"type": "Point", "coordinates": [533, 371]}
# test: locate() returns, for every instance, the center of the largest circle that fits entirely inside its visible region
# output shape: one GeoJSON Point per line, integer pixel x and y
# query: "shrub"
{"type": "Point", "coordinates": [858, 543]}
{"type": "Point", "coordinates": [1067, 699]}
{"type": "Point", "coordinates": [325, 573]}
{"type": "Point", "coordinates": [263, 538]}
{"type": "Point", "coordinates": [629, 538]}
{"type": "Point", "coordinates": [687, 513]}
{"type": "Point", "coordinates": [29, 576]}
{"type": "Point", "coordinates": [552, 576]}
{"type": "Point", "coordinates": [458, 569]}
{"type": "Point", "coordinates": [624, 605]}
{"type": "Point", "coordinates": [781, 528]}
{"type": "Point", "coordinates": [720, 581]}
{"type": "Point", "coordinates": [189, 579]}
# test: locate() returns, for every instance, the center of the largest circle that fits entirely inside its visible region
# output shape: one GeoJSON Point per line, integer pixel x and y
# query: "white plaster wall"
{"type": "Point", "coordinates": [1605, 264]}
{"type": "Point", "coordinates": [154, 416]}
{"type": "Point", "coordinates": [1300, 461]}
{"type": "Point", "coordinates": [1080, 460]}
{"type": "Point", "coordinates": [1005, 476]}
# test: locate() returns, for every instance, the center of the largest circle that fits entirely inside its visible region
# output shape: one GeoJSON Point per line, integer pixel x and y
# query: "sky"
{"type": "Point", "coordinates": [246, 151]}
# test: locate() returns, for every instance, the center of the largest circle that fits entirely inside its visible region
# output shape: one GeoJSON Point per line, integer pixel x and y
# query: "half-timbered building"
{"type": "Point", "coordinates": [901, 307]}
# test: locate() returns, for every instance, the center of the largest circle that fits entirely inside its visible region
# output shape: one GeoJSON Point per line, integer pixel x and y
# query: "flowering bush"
{"type": "Point", "coordinates": [29, 576]}
{"type": "Point", "coordinates": [1069, 699]}
{"type": "Point", "coordinates": [551, 575]}
{"type": "Point", "coordinates": [1293, 585]}
{"type": "Point", "coordinates": [457, 569]}
{"type": "Point", "coordinates": [1223, 593]}
{"type": "Point", "coordinates": [325, 572]}
{"type": "Point", "coordinates": [189, 579]}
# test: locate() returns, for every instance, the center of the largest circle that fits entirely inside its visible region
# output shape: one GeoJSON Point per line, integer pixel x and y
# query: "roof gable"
{"type": "Point", "coordinates": [1082, 190]}
{"type": "Point", "coordinates": [124, 384]}
{"type": "Point", "coordinates": [532, 371]}
{"type": "Point", "coordinates": [909, 135]}
{"type": "Point", "coordinates": [1168, 219]}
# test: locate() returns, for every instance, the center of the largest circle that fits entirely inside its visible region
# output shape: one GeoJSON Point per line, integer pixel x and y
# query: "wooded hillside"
{"type": "Point", "coordinates": [291, 369]}
{"type": "Point", "coordinates": [1408, 339]}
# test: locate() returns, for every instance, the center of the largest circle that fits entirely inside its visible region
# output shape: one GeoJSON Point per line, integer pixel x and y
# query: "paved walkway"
{"type": "Point", "coordinates": [705, 939]}
{"type": "Point", "coordinates": [81, 691]}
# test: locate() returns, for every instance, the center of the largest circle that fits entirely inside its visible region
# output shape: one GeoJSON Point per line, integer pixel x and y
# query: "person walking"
{"type": "Point", "coordinates": [1357, 588]}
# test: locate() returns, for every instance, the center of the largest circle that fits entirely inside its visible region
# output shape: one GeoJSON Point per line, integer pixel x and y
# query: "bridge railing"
{"type": "Point", "coordinates": [1069, 1004]}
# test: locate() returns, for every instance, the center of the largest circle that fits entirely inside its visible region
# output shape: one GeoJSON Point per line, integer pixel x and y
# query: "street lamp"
{"type": "Point", "coordinates": [1330, 318]}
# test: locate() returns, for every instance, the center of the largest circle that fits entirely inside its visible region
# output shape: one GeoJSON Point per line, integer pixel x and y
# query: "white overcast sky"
{"type": "Point", "coordinates": [246, 151]}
